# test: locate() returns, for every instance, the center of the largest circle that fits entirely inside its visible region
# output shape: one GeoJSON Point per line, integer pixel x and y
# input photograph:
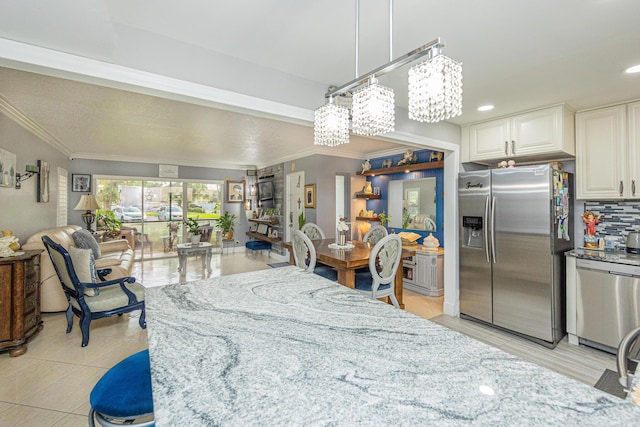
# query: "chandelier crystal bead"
{"type": "Point", "coordinates": [373, 110]}
{"type": "Point", "coordinates": [331, 125]}
{"type": "Point", "coordinates": [435, 90]}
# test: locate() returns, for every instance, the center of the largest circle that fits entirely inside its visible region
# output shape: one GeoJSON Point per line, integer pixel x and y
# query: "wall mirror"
{"type": "Point", "coordinates": [412, 204]}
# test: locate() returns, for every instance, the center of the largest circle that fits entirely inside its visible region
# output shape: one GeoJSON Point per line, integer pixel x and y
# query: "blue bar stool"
{"type": "Point", "coordinates": [123, 394]}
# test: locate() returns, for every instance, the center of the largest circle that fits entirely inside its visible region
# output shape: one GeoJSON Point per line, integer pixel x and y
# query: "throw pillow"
{"type": "Point", "coordinates": [85, 267]}
{"type": "Point", "coordinates": [85, 240]}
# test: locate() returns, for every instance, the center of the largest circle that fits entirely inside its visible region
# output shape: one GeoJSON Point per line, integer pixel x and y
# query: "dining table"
{"type": "Point", "coordinates": [347, 260]}
{"type": "Point", "coordinates": [281, 347]}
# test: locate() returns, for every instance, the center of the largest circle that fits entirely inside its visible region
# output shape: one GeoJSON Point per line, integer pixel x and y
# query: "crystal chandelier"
{"type": "Point", "coordinates": [435, 89]}
{"type": "Point", "coordinates": [331, 125]}
{"type": "Point", "coordinates": [373, 110]}
{"type": "Point", "coordinates": [435, 94]}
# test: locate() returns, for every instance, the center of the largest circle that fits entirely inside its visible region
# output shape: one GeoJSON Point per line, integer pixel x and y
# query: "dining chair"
{"type": "Point", "coordinates": [313, 231]}
{"type": "Point", "coordinates": [87, 298]}
{"type": "Point", "coordinates": [304, 254]}
{"type": "Point", "coordinates": [374, 234]}
{"type": "Point", "coordinates": [205, 233]}
{"type": "Point", "coordinates": [384, 260]}
{"type": "Point", "coordinates": [123, 395]}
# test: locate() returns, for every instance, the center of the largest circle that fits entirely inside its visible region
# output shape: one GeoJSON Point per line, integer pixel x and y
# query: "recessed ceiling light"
{"type": "Point", "coordinates": [634, 69]}
{"type": "Point", "coordinates": [485, 108]}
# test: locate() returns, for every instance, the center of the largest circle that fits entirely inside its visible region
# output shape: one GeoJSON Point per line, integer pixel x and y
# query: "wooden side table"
{"type": "Point", "coordinates": [20, 316]}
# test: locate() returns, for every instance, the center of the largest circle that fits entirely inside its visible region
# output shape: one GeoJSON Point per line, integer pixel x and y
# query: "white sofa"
{"type": "Point", "coordinates": [116, 254]}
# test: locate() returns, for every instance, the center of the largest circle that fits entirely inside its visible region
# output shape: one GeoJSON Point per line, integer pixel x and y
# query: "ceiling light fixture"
{"type": "Point", "coordinates": [634, 69]}
{"type": "Point", "coordinates": [485, 108]}
{"type": "Point", "coordinates": [331, 125]}
{"type": "Point", "coordinates": [435, 93]}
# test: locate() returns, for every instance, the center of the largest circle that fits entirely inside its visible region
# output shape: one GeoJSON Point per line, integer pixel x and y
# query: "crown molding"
{"type": "Point", "coordinates": [32, 126]}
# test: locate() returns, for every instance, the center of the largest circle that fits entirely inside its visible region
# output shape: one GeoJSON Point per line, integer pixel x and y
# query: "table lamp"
{"type": "Point", "coordinates": [88, 203]}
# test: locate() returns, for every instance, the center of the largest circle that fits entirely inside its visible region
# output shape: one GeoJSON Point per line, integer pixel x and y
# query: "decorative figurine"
{"type": "Point", "coordinates": [387, 163]}
{"type": "Point", "coordinates": [366, 166]}
{"type": "Point", "coordinates": [590, 239]}
{"type": "Point", "coordinates": [511, 164]}
{"type": "Point", "coordinates": [502, 164]}
{"type": "Point", "coordinates": [367, 189]}
{"type": "Point", "coordinates": [436, 156]}
{"type": "Point", "coordinates": [408, 159]}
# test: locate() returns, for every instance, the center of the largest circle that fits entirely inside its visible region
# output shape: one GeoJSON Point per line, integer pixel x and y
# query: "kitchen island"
{"type": "Point", "coordinates": [282, 347]}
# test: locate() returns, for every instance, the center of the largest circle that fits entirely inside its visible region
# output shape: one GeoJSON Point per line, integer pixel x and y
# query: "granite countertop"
{"type": "Point", "coordinates": [282, 347]}
{"type": "Point", "coordinates": [617, 257]}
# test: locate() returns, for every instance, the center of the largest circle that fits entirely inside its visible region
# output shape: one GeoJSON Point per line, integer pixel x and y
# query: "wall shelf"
{"type": "Point", "coordinates": [406, 168]}
{"type": "Point", "coordinates": [368, 218]}
{"type": "Point", "coordinates": [264, 221]}
{"type": "Point", "coordinates": [259, 236]}
{"type": "Point", "coordinates": [367, 196]}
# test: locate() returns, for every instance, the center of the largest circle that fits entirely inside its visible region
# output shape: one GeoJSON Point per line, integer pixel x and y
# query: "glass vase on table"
{"type": "Point", "coordinates": [343, 232]}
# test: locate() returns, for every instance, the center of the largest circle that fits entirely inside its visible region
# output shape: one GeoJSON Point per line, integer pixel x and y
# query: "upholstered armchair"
{"type": "Point", "coordinates": [87, 297]}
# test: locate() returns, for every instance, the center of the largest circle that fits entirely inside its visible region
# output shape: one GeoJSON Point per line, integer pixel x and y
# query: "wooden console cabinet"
{"type": "Point", "coordinates": [20, 316]}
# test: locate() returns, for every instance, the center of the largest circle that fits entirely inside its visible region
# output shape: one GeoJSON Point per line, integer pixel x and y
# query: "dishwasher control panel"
{"type": "Point", "coordinates": [609, 267]}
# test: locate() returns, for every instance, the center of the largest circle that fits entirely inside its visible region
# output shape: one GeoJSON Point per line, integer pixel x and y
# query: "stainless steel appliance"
{"type": "Point", "coordinates": [515, 226]}
{"type": "Point", "coordinates": [633, 242]}
{"type": "Point", "coordinates": [607, 302]}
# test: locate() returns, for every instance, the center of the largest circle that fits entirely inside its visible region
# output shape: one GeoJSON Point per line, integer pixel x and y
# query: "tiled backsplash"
{"type": "Point", "coordinates": [618, 218]}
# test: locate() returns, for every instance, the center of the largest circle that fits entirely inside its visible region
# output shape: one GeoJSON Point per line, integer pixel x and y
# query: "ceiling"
{"type": "Point", "coordinates": [284, 54]}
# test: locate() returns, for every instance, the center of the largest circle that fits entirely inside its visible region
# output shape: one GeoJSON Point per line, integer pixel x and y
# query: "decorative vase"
{"type": "Point", "coordinates": [228, 235]}
{"type": "Point", "coordinates": [367, 188]}
{"type": "Point", "coordinates": [195, 239]}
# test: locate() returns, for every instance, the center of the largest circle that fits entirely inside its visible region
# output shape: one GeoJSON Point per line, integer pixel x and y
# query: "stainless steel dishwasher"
{"type": "Point", "coordinates": [608, 302]}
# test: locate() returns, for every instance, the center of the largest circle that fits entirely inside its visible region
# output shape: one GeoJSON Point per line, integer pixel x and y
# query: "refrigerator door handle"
{"type": "Point", "coordinates": [493, 229]}
{"type": "Point", "coordinates": [486, 229]}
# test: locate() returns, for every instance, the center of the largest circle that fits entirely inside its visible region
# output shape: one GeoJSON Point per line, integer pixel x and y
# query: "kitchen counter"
{"type": "Point", "coordinates": [282, 347]}
{"type": "Point", "coordinates": [617, 257]}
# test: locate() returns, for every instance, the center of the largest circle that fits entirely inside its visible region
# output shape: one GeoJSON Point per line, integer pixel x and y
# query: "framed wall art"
{"type": "Point", "coordinates": [81, 182]}
{"type": "Point", "coordinates": [235, 191]}
{"type": "Point", "coordinates": [7, 169]}
{"type": "Point", "coordinates": [310, 196]}
{"type": "Point", "coordinates": [43, 182]}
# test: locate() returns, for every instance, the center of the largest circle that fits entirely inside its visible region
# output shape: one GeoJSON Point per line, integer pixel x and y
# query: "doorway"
{"type": "Point", "coordinates": [295, 202]}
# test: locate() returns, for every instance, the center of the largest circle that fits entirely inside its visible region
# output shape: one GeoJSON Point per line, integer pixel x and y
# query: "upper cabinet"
{"type": "Point", "coordinates": [543, 134]}
{"type": "Point", "coordinates": [608, 156]}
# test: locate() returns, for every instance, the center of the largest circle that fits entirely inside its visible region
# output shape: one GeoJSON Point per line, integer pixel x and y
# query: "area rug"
{"type": "Point", "coordinates": [609, 382]}
{"type": "Point", "coordinates": [278, 264]}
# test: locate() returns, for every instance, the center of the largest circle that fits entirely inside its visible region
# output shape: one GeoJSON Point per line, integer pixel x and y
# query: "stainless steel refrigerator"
{"type": "Point", "coordinates": [515, 225]}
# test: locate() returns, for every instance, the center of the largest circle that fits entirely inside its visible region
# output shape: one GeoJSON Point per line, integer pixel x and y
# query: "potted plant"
{"type": "Point", "coordinates": [384, 219]}
{"type": "Point", "coordinates": [106, 220]}
{"type": "Point", "coordinates": [226, 224]}
{"type": "Point", "coordinates": [193, 227]}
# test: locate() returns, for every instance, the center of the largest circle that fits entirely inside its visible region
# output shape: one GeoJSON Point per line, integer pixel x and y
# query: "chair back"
{"type": "Point", "coordinates": [304, 253]}
{"type": "Point", "coordinates": [61, 261]}
{"type": "Point", "coordinates": [384, 260]}
{"type": "Point", "coordinates": [313, 231]}
{"type": "Point", "coordinates": [374, 234]}
{"type": "Point", "coordinates": [205, 233]}
{"type": "Point", "coordinates": [628, 351]}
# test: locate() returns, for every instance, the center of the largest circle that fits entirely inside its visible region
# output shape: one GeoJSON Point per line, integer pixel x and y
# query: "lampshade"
{"type": "Point", "coordinates": [373, 110]}
{"type": "Point", "coordinates": [87, 202]}
{"type": "Point", "coordinates": [331, 125]}
{"type": "Point", "coordinates": [435, 89]}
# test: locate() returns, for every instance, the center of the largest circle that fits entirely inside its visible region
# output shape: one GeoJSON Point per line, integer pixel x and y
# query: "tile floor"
{"type": "Point", "coordinates": [50, 384]}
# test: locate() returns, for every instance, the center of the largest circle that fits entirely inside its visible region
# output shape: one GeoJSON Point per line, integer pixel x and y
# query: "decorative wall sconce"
{"type": "Point", "coordinates": [30, 170]}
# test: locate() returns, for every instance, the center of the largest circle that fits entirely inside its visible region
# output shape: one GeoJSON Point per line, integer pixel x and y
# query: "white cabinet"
{"type": "Point", "coordinates": [607, 162]}
{"type": "Point", "coordinates": [541, 134]}
{"type": "Point", "coordinates": [424, 273]}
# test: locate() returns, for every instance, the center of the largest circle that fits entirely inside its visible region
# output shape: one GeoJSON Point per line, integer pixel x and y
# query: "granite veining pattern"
{"type": "Point", "coordinates": [281, 347]}
{"type": "Point", "coordinates": [617, 257]}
